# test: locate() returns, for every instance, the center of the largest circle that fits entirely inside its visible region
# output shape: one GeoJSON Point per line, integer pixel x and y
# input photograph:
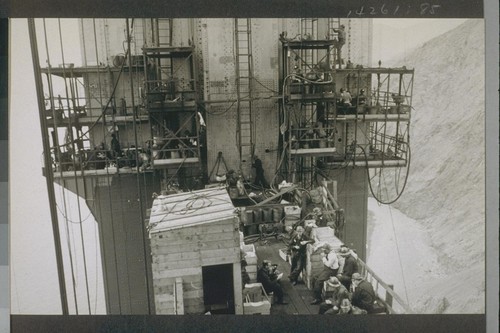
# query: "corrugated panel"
{"type": "Point", "coordinates": [191, 208]}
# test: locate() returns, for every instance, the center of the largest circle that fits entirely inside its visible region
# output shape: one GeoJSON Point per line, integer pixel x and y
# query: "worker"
{"type": "Point", "coordinates": [334, 292]}
{"type": "Point", "coordinates": [363, 295]}
{"type": "Point", "coordinates": [270, 284]}
{"type": "Point", "coordinates": [361, 98]}
{"type": "Point", "coordinates": [345, 97]}
{"type": "Point", "coordinates": [297, 248]}
{"type": "Point", "coordinates": [349, 267]}
{"type": "Point", "coordinates": [330, 268]}
{"type": "Point", "coordinates": [346, 308]}
{"type": "Point", "coordinates": [116, 150]}
{"type": "Point", "coordinates": [245, 278]}
{"type": "Point", "coordinates": [318, 216]}
{"type": "Point", "coordinates": [339, 42]}
{"type": "Point", "coordinates": [260, 180]}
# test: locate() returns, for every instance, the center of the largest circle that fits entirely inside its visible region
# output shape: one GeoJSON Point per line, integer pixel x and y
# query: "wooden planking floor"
{"type": "Point", "coordinates": [298, 297]}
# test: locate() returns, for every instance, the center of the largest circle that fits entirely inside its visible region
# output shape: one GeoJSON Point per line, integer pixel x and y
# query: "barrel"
{"type": "Point", "coordinates": [257, 215]}
{"type": "Point", "coordinates": [248, 217]}
{"type": "Point", "coordinates": [277, 214]}
{"type": "Point", "coordinates": [267, 215]}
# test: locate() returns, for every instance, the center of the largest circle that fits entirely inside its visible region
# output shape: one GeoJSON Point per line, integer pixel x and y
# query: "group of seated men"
{"type": "Point", "coordinates": [340, 281]}
{"type": "Point", "coordinates": [338, 288]}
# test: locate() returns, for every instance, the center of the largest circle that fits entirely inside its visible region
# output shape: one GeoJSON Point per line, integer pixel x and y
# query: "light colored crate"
{"type": "Point", "coordinates": [248, 248]}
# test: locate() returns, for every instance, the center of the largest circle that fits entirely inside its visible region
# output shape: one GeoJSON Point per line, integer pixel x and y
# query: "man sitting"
{"type": "Point", "coordinates": [346, 308]}
{"type": "Point", "coordinates": [364, 295]}
{"type": "Point", "coordinates": [266, 276]}
{"type": "Point", "coordinates": [333, 292]}
{"type": "Point", "coordinates": [330, 268]}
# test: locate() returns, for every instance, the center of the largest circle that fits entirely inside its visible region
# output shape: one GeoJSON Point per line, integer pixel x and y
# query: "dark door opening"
{"type": "Point", "coordinates": [218, 291]}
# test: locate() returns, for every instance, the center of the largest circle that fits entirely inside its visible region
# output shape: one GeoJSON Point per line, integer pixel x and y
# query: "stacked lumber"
{"type": "Point", "coordinates": [292, 215]}
{"type": "Point", "coordinates": [251, 259]}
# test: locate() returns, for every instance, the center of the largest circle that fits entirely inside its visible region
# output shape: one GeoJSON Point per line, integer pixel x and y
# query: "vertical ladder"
{"type": "Point", "coordinates": [309, 30]}
{"type": "Point", "coordinates": [333, 23]}
{"type": "Point", "coordinates": [162, 31]}
{"type": "Point", "coordinates": [244, 77]}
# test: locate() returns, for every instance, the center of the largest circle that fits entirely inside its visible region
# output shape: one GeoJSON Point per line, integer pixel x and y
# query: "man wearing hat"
{"type": "Point", "coordinates": [334, 293]}
{"type": "Point", "coordinates": [349, 267]}
{"type": "Point", "coordinates": [297, 248]}
{"type": "Point", "coordinates": [330, 268]}
{"type": "Point", "coordinates": [346, 308]}
{"type": "Point", "coordinates": [269, 283]}
{"type": "Point", "coordinates": [364, 295]}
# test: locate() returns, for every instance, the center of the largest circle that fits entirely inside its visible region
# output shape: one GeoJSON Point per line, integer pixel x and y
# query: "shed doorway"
{"type": "Point", "coordinates": [218, 289]}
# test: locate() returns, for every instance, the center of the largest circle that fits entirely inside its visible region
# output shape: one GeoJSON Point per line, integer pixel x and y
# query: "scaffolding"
{"type": "Point", "coordinates": [339, 117]}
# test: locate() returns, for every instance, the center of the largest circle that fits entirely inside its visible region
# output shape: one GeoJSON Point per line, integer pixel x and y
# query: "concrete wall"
{"type": "Point", "coordinates": [352, 193]}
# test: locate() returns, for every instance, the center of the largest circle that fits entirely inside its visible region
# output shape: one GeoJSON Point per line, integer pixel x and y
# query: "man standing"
{"type": "Point", "coordinates": [259, 172]}
{"type": "Point", "coordinates": [330, 268]}
{"type": "Point", "coordinates": [297, 248]}
{"type": "Point", "coordinates": [364, 295]}
{"type": "Point", "coordinates": [339, 42]}
{"type": "Point", "coordinates": [269, 283]}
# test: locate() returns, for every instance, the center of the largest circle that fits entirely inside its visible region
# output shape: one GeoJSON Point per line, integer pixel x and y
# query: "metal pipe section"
{"type": "Point", "coordinates": [48, 165]}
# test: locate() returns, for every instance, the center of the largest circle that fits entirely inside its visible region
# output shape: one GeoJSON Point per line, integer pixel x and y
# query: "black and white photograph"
{"type": "Point", "coordinates": [244, 166]}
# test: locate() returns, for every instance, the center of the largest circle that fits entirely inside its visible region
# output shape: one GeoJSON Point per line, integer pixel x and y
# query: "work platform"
{"type": "Point", "coordinates": [298, 297]}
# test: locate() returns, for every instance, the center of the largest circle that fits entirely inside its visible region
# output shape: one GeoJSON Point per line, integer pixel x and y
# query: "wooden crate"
{"type": "Point", "coordinates": [256, 300]}
{"type": "Point", "coordinates": [314, 264]}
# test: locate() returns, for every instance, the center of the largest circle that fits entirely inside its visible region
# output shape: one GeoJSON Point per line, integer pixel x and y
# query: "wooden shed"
{"type": "Point", "coordinates": [195, 248]}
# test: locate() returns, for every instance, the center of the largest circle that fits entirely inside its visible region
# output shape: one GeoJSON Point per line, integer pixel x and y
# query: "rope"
{"type": "Point", "coordinates": [107, 172]}
{"type": "Point", "coordinates": [399, 254]}
{"type": "Point", "coordinates": [74, 167]}
{"type": "Point", "coordinates": [66, 225]}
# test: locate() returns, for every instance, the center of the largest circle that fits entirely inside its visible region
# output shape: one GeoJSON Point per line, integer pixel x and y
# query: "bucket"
{"type": "Point", "coordinates": [175, 154]}
{"type": "Point", "coordinates": [233, 192]}
{"type": "Point", "coordinates": [322, 143]}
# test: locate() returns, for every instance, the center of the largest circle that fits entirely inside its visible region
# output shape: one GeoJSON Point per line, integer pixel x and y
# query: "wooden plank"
{"type": "Point", "coordinates": [158, 259]}
{"type": "Point", "coordinates": [237, 287]}
{"type": "Point", "coordinates": [199, 229]}
{"type": "Point", "coordinates": [197, 237]}
{"type": "Point", "coordinates": [227, 252]}
{"type": "Point", "coordinates": [176, 210]}
{"type": "Point", "coordinates": [188, 221]}
{"type": "Point", "coordinates": [199, 246]}
{"type": "Point", "coordinates": [277, 195]}
{"type": "Point", "coordinates": [214, 194]}
{"type": "Point", "coordinates": [177, 272]}
{"type": "Point", "coordinates": [179, 296]}
{"type": "Point", "coordinates": [220, 260]}
{"type": "Point", "coordinates": [207, 257]}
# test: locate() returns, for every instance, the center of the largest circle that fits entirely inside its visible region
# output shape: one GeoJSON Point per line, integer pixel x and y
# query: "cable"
{"type": "Point", "coordinates": [404, 184]}
{"type": "Point", "coordinates": [399, 254]}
